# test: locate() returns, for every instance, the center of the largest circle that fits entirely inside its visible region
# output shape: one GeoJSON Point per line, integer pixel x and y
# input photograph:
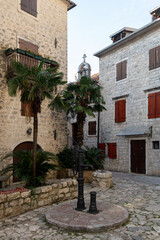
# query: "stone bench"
{"type": "Point", "coordinates": [102, 179]}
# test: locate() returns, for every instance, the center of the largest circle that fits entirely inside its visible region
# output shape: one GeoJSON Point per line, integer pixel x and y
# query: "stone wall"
{"type": "Point", "coordinates": [139, 78]}
{"type": "Point", "coordinates": [19, 202]}
{"type": "Point", "coordinates": [50, 23]}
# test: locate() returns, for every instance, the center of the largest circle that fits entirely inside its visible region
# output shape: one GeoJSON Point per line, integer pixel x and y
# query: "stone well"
{"type": "Point", "coordinates": [102, 179]}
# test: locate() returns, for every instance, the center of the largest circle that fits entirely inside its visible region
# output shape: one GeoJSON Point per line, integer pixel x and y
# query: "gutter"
{"type": "Point", "coordinates": [130, 37]}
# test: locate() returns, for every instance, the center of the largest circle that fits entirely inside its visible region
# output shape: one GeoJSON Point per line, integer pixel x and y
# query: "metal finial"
{"type": "Point", "coordinates": [84, 57]}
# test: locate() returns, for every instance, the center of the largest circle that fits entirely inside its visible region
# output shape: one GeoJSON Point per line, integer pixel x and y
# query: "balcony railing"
{"type": "Point", "coordinates": [27, 58]}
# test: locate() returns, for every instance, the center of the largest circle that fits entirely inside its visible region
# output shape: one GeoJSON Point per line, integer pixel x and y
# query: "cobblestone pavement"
{"type": "Point", "coordinates": [142, 200]}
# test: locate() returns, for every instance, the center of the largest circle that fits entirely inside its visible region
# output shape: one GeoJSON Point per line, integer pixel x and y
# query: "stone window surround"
{"type": "Point", "coordinates": [115, 77]}
{"type": "Point", "coordinates": [27, 14]}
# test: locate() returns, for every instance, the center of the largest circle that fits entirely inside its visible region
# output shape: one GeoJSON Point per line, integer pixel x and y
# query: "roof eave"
{"type": "Point", "coordinates": [128, 38]}
{"type": "Point", "coordinates": [70, 4]}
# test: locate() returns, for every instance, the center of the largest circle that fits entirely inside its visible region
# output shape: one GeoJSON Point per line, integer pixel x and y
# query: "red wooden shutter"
{"type": "Point", "coordinates": [124, 69]}
{"type": "Point", "coordinates": [34, 7]}
{"type": "Point", "coordinates": [25, 5]}
{"type": "Point", "coordinates": [157, 57]}
{"type": "Point", "coordinates": [118, 71]}
{"type": "Point", "coordinates": [112, 150]}
{"type": "Point", "coordinates": [157, 100]}
{"type": "Point", "coordinates": [151, 106]}
{"type": "Point", "coordinates": [92, 128]}
{"type": "Point", "coordinates": [151, 59]}
{"type": "Point", "coordinates": [102, 146]}
{"type": "Point", "coordinates": [116, 111]}
{"type": "Point", "coordinates": [122, 111]}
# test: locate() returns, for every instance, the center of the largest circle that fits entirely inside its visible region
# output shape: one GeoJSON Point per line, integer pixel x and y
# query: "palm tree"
{"type": "Point", "coordinates": [35, 85]}
{"type": "Point", "coordinates": [83, 98]}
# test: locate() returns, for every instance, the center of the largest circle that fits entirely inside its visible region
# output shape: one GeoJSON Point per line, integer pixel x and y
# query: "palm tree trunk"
{"type": "Point", "coordinates": [80, 125]}
{"type": "Point", "coordinates": [35, 134]}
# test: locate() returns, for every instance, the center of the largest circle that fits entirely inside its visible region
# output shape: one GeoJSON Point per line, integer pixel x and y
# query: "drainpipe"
{"type": "Point", "coordinates": [98, 129]}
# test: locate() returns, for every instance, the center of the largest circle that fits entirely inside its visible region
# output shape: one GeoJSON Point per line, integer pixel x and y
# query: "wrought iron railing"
{"type": "Point", "coordinates": [27, 58]}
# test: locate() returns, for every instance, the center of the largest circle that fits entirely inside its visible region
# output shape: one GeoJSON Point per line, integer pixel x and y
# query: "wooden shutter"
{"type": "Point", "coordinates": [25, 45]}
{"type": "Point", "coordinates": [29, 6]}
{"type": "Point", "coordinates": [157, 57]}
{"type": "Point", "coordinates": [102, 146]}
{"type": "Point", "coordinates": [118, 71]}
{"type": "Point", "coordinates": [157, 104]}
{"type": "Point", "coordinates": [112, 150]}
{"type": "Point", "coordinates": [25, 5]}
{"type": "Point", "coordinates": [92, 128]}
{"type": "Point", "coordinates": [116, 111]}
{"type": "Point", "coordinates": [26, 108]}
{"type": "Point", "coordinates": [34, 7]}
{"type": "Point", "coordinates": [124, 69]}
{"type": "Point", "coordinates": [151, 106]}
{"type": "Point", "coordinates": [151, 59]}
{"type": "Point", "coordinates": [122, 111]}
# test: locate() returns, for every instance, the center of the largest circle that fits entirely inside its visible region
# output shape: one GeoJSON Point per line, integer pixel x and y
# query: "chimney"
{"type": "Point", "coordinates": [155, 13]}
{"type": "Point", "coordinates": [122, 33]}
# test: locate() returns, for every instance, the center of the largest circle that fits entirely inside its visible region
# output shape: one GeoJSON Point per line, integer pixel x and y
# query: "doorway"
{"type": "Point", "coordinates": [28, 146]}
{"type": "Point", "coordinates": [138, 158]}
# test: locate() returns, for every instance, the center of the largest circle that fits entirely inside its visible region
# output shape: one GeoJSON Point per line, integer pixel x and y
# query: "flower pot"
{"type": "Point", "coordinates": [37, 57]}
{"type": "Point", "coordinates": [9, 51]}
{"type": "Point", "coordinates": [18, 50]}
{"type": "Point", "coordinates": [29, 54]}
{"type": "Point", "coordinates": [46, 60]}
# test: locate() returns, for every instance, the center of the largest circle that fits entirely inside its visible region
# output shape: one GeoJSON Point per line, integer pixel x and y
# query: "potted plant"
{"type": "Point", "coordinates": [23, 52]}
{"type": "Point", "coordinates": [66, 162]}
{"type": "Point", "coordinates": [30, 54]}
{"type": "Point", "coordinates": [9, 51]}
{"type": "Point", "coordinates": [94, 157]}
{"type": "Point", "coordinates": [38, 57]}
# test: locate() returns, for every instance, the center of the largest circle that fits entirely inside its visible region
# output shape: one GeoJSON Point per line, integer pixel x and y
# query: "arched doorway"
{"type": "Point", "coordinates": [28, 146]}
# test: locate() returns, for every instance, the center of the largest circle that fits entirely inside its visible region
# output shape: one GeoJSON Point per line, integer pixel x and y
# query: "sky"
{"type": "Point", "coordinates": [91, 23]}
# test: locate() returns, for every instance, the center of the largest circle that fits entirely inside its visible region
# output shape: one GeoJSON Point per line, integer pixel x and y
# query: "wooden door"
{"type": "Point", "coordinates": [28, 146]}
{"type": "Point", "coordinates": [138, 161]}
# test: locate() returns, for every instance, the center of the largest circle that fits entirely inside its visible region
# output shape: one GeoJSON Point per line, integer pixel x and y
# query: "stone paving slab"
{"type": "Point", "coordinates": [141, 199]}
{"type": "Point", "coordinates": [65, 216]}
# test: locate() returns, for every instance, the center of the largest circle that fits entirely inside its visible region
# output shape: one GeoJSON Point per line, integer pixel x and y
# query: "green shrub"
{"type": "Point", "coordinates": [94, 157]}
{"type": "Point", "coordinates": [23, 169]}
{"type": "Point", "coordinates": [66, 158]}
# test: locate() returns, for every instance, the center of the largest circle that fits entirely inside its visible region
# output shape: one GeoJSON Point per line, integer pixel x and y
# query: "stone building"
{"type": "Point", "coordinates": [40, 27]}
{"type": "Point", "coordinates": [130, 77]}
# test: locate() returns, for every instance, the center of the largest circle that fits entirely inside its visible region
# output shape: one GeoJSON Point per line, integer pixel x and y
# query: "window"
{"type": "Point", "coordinates": [155, 144]}
{"type": "Point", "coordinates": [29, 6]}
{"type": "Point", "coordinates": [120, 111]}
{"type": "Point", "coordinates": [92, 128]}
{"type": "Point", "coordinates": [154, 105]}
{"type": "Point", "coordinates": [112, 150]}
{"type": "Point", "coordinates": [154, 58]}
{"type": "Point", "coordinates": [121, 70]}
